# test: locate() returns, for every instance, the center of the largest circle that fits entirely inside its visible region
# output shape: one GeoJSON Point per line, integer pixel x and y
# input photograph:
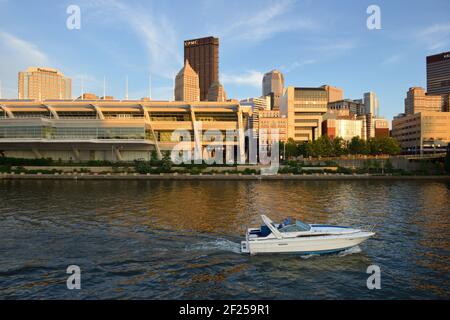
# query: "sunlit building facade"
{"type": "Point", "coordinates": [217, 92]}
{"type": "Point", "coordinates": [272, 127]}
{"type": "Point", "coordinates": [353, 106]}
{"type": "Point", "coordinates": [187, 86]}
{"type": "Point", "coordinates": [304, 108]}
{"type": "Point", "coordinates": [372, 104]}
{"type": "Point", "coordinates": [273, 87]}
{"type": "Point", "coordinates": [116, 130]}
{"type": "Point", "coordinates": [257, 105]}
{"type": "Point", "coordinates": [422, 132]}
{"type": "Point", "coordinates": [417, 100]}
{"type": "Point", "coordinates": [44, 83]}
{"type": "Point", "coordinates": [334, 94]}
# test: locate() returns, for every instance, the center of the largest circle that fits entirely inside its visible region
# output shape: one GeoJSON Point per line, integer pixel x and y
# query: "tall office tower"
{"type": "Point", "coordinates": [372, 103]}
{"type": "Point", "coordinates": [203, 56]}
{"type": "Point", "coordinates": [304, 109]}
{"type": "Point", "coordinates": [187, 84]}
{"type": "Point", "coordinates": [334, 94]}
{"type": "Point", "coordinates": [273, 86]}
{"type": "Point", "coordinates": [258, 105]}
{"type": "Point", "coordinates": [217, 92]}
{"type": "Point", "coordinates": [418, 101]}
{"type": "Point", "coordinates": [438, 74]}
{"type": "Point", "coordinates": [44, 83]}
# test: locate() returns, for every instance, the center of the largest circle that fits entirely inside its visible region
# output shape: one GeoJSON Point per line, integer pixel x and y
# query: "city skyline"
{"type": "Point", "coordinates": [340, 51]}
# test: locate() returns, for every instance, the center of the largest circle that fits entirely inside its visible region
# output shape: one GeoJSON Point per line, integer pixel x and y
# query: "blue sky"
{"type": "Point", "coordinates": [311, 42]}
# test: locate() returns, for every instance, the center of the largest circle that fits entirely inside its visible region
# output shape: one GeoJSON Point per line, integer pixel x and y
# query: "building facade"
{"type": "Point", "coordinates": [187, 86]}
{"type": "Point", "coordinates": [353, 106]}
{"type": "Point", "coordinates": [257, 105]}
{"type": "Point", "coordinates": [334, 94]}
{"type": "Point", "coordinates": [272, 128]}
{"type": "Point", "coordinates": [44, 83]}
{"type": "Point", "coordinates": [217, 92]}
{"type": "Point", "coordinates": [438, 74]}
{"type": "Point", "coordinates": [372, 104]}
{"type": "Point", "coordinates": [381, 127]}
{"type": "Point", "coordinates": [117, 130]}
{"type": "Point", "coordinates": [203, 56]}
{"type": "Point", "coordinates": [343, 128]}
{"type": "Point", "coordinates": [418, 101]}
{"type": "Point", "coordinates": [304, 108]}
{"type": "Point", "coordinates": [273, 86]}
{"type": "Point", "coordinates": [422, 132]}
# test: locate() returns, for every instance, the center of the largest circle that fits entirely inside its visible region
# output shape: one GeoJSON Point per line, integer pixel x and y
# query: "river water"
{"type": "Point", "coordinates": [180, 239]}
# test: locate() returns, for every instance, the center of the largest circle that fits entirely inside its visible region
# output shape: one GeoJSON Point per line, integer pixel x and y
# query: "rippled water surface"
{"type": "Point", "coordinates": [180, 239]}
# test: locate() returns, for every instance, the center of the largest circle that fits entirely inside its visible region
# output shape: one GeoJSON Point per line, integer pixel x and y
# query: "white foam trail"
{"type": "Point", "coordinates": [344, 253]}
{"type": "Point", "coordinates": [350, 251]}
{"type": "Point", "coordinates": [216, 245]}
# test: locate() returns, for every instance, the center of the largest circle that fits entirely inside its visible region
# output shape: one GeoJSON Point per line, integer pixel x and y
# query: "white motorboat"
{"type": "Point", "coordinates": [301, 238]}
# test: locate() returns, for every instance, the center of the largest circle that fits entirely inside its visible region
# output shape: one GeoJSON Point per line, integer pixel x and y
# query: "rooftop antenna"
{"type": "Point", "coordinates": [150, 86]}
{"type": "Point", "coordinates": [104, 88]}
{"type": "Point", "coordinates": [0, 89]}
{"type": "Point", "coordinates": [82, 88]}
{"type": "Point", "coordinates": [126, 88]}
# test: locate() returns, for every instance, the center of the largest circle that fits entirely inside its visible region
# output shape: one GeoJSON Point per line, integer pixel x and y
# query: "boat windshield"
{"type": "Point", "coordinates": [297, 227]}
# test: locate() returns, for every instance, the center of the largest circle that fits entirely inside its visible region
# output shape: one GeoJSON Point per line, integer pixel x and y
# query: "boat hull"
{"type": "Point", "coordinates": [313, 245]}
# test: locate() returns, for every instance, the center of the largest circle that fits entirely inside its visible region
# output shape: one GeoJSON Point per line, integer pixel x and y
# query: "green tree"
{"type": "Point", "coordinates": [309, 149]}
{"type": "Point", "coordinates": [339, 147]}
{"type": "Point", "coordinates": [322, 147]}
{"type": "Point", "coordinates": [301, 148]}
{"type": "Point", "coordinates": [390, 146]}
{"type": "Point", "coordinates": [291, 149]}
{"type": "Point", "coordinates": [166, 163]}
{"type": "Point", "coordinates": [384, 145]}
{"type": "Point", "coordinates": [357, 146]}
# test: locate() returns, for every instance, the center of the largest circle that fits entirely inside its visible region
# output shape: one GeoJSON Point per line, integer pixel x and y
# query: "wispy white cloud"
{"type": "Point", "coordinates": [298, 64]}
{"type": "Point", "coordinates": [155, 32]}
{"type": "Point", "coordinates": [17, 54]}
{"type": "Point", "coordinates": [25, 49]}
{"type": "Point", "coordinates": [334, 47]}
{"type": "Point", "coordinates": [249, 78]}
{"type": "Point", "coordinates": [323, 49]}
{"type": "Point", "coordinates": [434, 37]}
{"type": "Point", "coordinates": [267, 22]}
{"type": "Point", "coordinates": [391, 59]}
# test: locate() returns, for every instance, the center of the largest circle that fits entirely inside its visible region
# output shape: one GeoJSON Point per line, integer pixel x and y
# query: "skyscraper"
{"type": "Point", "coordinates": [438, 74]}
{"type": "Point", "coordinates": [273, 86]}
{"type": "Point", "coordinates": [44, 83]}
{"type": "Point", "coordinates": [203, 56]}
{"type": "Point", "coordinates": [217, 92]}
{"type": "Point", "coordinates": [372, 103]}
{"type": "Point", "coordinates": [187, 84]}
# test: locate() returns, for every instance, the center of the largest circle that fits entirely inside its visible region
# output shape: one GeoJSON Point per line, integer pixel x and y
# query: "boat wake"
{"type": "Point", "coordinates": [350, 251]}
{"type": "Point", "coordinates": [343, 253]}
{"type": "Point", "coordinates": [216, 245]}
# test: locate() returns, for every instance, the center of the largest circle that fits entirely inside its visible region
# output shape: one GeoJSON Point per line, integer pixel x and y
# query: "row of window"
{"type": "Point", "coordinates": [154, 116]}
{"type": "Point", "coordinates": [72, 133]}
